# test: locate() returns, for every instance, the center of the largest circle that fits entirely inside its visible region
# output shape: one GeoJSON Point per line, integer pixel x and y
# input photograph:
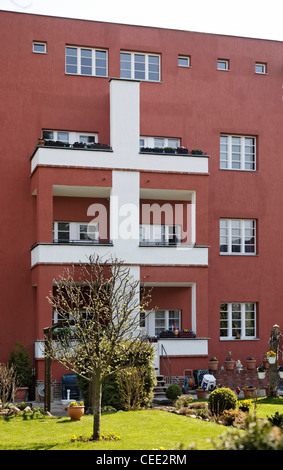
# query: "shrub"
{"type": "Point", "coordinates": [183, 402]}
{"type": "Point", "coordinates": [222, 399]}
{"type": "Point", "coordinates": [236, 418]}
{"type": "Point", "coordinates": [21, 362]}
{"type": "Point", "coordinates": [258, 435]}
{"type": "Point", "coordinates": [173, 392]}
{"type": "Point", "coordinates": [135, 386]}
{"type": "Point", "coordinates": [276, 419]}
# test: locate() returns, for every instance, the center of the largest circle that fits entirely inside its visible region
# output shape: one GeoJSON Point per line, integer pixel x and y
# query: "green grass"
{"type": "Point", "coordinates": [138, 430]}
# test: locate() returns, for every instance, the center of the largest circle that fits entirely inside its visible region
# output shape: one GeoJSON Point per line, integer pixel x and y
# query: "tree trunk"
{"type": "Point", "coordinates": [97, 391]}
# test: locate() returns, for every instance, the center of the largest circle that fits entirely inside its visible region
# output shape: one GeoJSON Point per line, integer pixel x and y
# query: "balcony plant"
{"type": "Point", "coordinates": [76, 410]}
{"type": "Point", "coordinates": [261, 372]}
{"type": "Point", "coordinates": [41, 141]}
{"type": "Point", "coordinates": [229, 363]}
{"type": "Point", "coordinates": [213, 363]}
{"type": "Point", "coordinates": [169, 150]}
{"type": "Point", "coordinates": [248, 391]}
{"type": "Point", "coordinates": [167, 334]}
{"type": "Point", "coordinates": [196, 152]}
{"type": "Point", "coordinates": [187, 334]}
{"type": "Point", "coordinates": [271, 357]}
{"type": "Point", "coordinates": [250, 363]}
{"type": "Point", "coordinates": [182, 150]}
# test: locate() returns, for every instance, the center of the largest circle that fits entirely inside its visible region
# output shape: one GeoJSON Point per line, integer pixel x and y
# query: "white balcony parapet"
{"type": "Point", "coordinates": [72, 253]}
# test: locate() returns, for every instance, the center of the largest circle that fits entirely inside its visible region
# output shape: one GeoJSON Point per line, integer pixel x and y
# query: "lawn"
{"type": "Point", "coordinates": [138, 430]}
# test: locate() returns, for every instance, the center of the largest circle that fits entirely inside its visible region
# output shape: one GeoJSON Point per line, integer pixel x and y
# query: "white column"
{"type": "Point", "coordinates": [124, 117]}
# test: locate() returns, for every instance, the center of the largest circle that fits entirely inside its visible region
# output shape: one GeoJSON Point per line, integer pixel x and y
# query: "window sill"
{"type": "Point", "coordinates": [239, 339]}
{"type": "Point", "coordinates": [252, 255]}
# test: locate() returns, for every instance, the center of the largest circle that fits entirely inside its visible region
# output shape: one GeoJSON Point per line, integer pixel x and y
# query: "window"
{"type": "Point", "coordinates": [39, 47]}
{"type": "Point", "coordinates": [237, 152]}
{"type": "Point", "coordinates": [69, 137]}
{"type": "Point", "coordinates": [160, 142]}
{"type": "Point", "coordinates": [260, 68]}
{"type": "Point", "coordinates": [222, 64]}
{"type": "Point", "coordinates": [237, 236]}
{"type": "Point", "coordinates": [67, 232]}
{"type": "Point", "coordinates": [160, 235]}
{"type": "Point", "coordinates": [86, 61]}
{"type": "Point", "coordinates": [184, 61]}
{"type": "Point", "coordinates": [140, 66]}
{"type": "Point", "coordinates": [237, 320]}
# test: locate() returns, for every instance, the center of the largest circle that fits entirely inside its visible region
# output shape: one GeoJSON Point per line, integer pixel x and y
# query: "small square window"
{"type": "Point", "coordinates": [184, 61]}
{"type": "Point", "coordinates": [260, 68]}
{"type": "Point", "coordinates": [222, 64]}
{"type": "Point", "coordinates": [39, 47]}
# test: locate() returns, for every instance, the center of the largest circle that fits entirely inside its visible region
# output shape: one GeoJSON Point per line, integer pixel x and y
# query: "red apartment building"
{"type": "Point", "coordinates": [215, 264]}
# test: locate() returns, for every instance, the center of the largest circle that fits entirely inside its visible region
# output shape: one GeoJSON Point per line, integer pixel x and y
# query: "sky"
{"type": "Point", "coordinates": [247, 18]}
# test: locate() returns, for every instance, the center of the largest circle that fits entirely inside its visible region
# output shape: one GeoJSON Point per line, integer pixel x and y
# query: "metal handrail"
{"type": "Point", "coordinates": [163, 352]}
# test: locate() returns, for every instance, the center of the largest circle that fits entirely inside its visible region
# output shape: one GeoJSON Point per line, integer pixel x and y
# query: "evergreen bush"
{"type": "Point", "coordinates": [173, 392]}
{"type": "Point", "coordinates": [222, 399]}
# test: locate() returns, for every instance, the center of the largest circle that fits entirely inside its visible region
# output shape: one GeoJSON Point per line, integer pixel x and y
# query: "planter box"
{"type": "Point", "coordinates": [201, 394]}
{"type": "Point", "coordinates": [271, 359]}
{"type": "Point", "coordinates": [261, 375]}
{"type": "Point", "coordinates": [75, 412]}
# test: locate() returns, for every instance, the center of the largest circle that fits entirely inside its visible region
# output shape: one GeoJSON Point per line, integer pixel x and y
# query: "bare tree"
{"type": "Point", "coordinates": [99, 307]}
{"type": "Point", "coordinates": [7, 383]}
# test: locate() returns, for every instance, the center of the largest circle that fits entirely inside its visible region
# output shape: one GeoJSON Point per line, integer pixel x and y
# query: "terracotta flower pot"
{"type": "Point", "coordinates": [201, 394]}
{"type": "Point", "coordinates": [250, 363]}
{"type": "Point", "coordinates": [229, 365]}
{"type": "Point", "coordinates": [20, 394]}
{"type": "Point", "coordinates": [249, 392]}
{"type": "Point", "coordinates": [75, 412]}
{"type": "Point", "coordinates": [213, 365]}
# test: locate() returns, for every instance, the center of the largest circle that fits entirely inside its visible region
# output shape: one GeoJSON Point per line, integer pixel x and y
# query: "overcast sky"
{"type": "Point", "coordinates": [249, 18]}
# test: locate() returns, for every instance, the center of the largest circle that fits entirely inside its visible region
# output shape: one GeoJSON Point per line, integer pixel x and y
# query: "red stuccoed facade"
{"type": "Point", "coordinates": [133, 89]}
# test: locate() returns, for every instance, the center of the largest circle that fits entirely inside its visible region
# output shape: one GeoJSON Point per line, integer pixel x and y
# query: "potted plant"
{"type": "Point", "coordinates": [21, 362]}
{"type": "Point", "coordinates": [41, 141]}
{"type": "Point", "coordinates": [182, 150]}
{"type": "Point", "coordinates": [280, 370]}
{"type": "Point", "coordinates": [261, 372]}
{"type": "Point", "coordinates": [197, 152]}
{"type": "Point", "coordinates": [201, 393]}
{"type": "Point", "coordinates": [167, 334]}
{"type": "Point", "coordinates": [229, 363]}
{"type": "Point", "coordinates": [76, 410]}
{"type": "Point", "coordinates": [245, 406]}
{"type": "Point", "coordinates": [250, 362]}
{"type": "Point", "coordinates": [169, 150]}
{"type": "Point", "coordinates": [213, 363]}
{"type": "Point", "coordinates": [271, 357]}
{"type": "Point", "coordinates": [186, 334]}
{"type": "Point", "coordinates": [248, 391]}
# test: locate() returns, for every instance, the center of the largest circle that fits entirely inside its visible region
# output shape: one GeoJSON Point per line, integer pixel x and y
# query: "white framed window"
{"type": "Point", "coordinates": [39, 47]}
{"type": "Point", "coordinates": [161, 142]}
{"type": "Point", "coordinates": [238, 320]}
{"type": "Point", "coordinates": [160, 320]}
{"type": "Point", "coordinates": [86, 61]}
{"type": "Point", "coordinates": [260, 68]}
{"type": "Point", "coordinates": [184, 61]}
{"type": "Point", "coordinates": [139, 66]}
{"type": "Point", "coordinates": [222, 64]}
{"type": "Point", "coordinates": [68, 232]}
{"type": "Point", "coordinates": [237, 152]}
{"type": "Point", "coordinates": [69, 137]}
{"type": "Point", "coordinates": [160, 235]}
{"type": "Point", "coordinates": [238, 236]}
